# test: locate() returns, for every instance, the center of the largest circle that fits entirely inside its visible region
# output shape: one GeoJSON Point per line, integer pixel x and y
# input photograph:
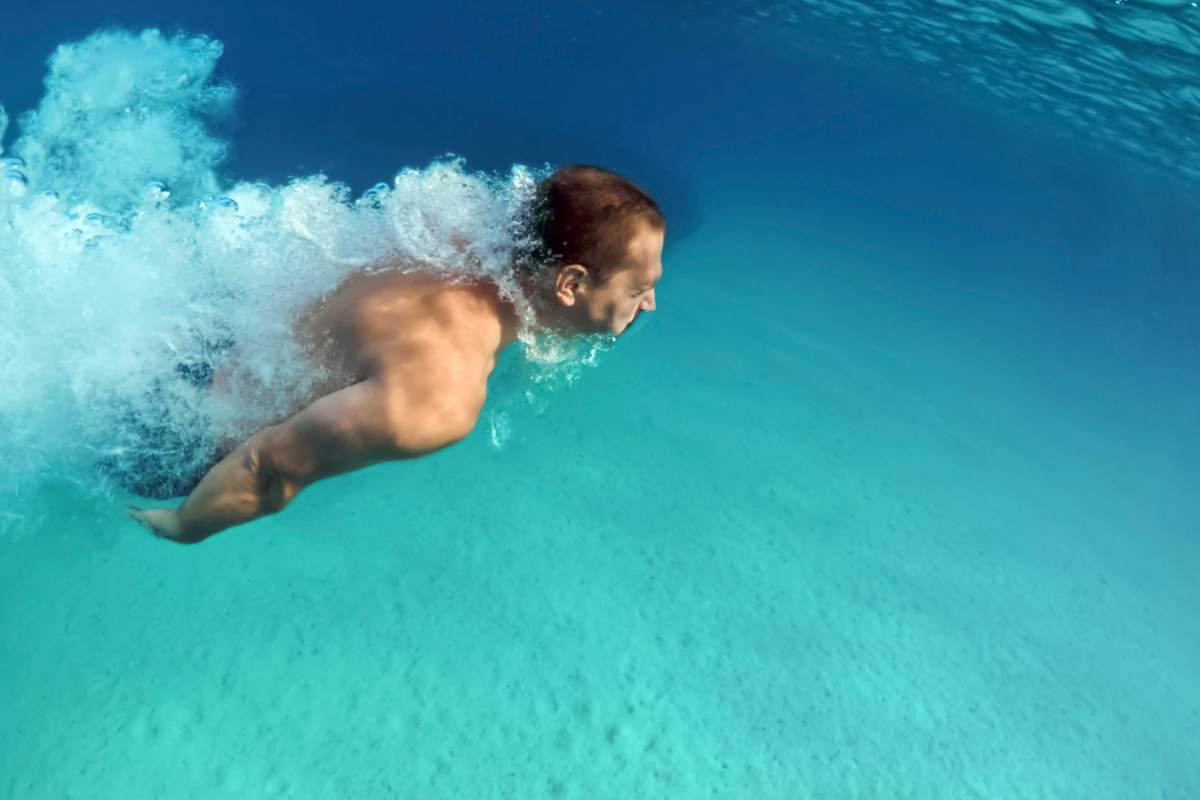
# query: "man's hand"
{"type": "Point", "coordinates": [163, 522]}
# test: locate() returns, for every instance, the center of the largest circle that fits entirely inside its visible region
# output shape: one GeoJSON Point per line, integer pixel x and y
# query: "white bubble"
{"type": "Point", "coordinates": [155, 192]}
{"type": "Point", "coordinates": [15, 182]}
{"type": "Point", "coordinates": [82, 140]}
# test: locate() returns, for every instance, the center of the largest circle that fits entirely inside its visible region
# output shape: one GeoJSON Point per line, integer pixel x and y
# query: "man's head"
{"type": "Point", "coordinates": [600, 240]}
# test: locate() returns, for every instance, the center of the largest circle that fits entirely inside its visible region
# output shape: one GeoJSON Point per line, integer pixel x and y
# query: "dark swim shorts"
{"type": "Point", "coordinates": [166, 459]}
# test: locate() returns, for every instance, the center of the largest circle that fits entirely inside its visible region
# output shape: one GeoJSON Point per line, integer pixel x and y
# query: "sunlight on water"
{"type": "Point", "coordinates": [1121, 73]}
{"type": "Point", "coordinates": [127, 260]}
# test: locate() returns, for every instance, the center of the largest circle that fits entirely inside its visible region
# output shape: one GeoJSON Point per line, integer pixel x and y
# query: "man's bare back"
{"type": "Point", "coordinates": [405, 356]}
{"type": "Point", "coordinates": [405, 326]}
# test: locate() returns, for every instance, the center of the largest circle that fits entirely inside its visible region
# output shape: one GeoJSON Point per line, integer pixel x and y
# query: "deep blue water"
{"type": "Point", "coordinates": [892, 497]}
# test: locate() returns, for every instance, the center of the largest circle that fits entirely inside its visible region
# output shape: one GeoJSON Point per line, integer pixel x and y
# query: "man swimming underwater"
{"type": "Point", "coordinates": [418, 349]}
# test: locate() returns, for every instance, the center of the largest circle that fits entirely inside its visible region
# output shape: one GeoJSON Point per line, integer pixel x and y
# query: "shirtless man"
{"type": "Point", "coordinates": [420, 348]}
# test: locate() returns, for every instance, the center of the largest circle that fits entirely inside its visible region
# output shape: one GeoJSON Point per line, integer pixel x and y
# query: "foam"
{"type": "Point", "coordinates": [125, 252]}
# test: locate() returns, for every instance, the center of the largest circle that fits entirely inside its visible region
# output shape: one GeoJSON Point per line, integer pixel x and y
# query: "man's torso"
{"type": "Point", "coordinates": [392, 324]}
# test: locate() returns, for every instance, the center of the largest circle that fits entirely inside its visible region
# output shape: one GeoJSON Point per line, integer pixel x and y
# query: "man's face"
{"type": "Point", "coordinates": [610, 307]}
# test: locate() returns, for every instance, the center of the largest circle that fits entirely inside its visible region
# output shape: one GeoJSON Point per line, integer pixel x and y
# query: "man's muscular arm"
{"type": "Point", "coordinates": [379, 419]}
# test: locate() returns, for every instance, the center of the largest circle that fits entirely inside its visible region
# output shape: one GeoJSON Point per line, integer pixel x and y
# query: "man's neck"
{"type": "Point", "coordinates": [503, 312]}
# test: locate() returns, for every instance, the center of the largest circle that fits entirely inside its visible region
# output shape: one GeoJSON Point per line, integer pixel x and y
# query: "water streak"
{"type": "Point", "coordinates": [1119, 73]}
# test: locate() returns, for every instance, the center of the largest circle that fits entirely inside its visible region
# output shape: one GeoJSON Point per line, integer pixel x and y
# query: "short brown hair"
{"type": "Point", "coordinates": [586, 215]}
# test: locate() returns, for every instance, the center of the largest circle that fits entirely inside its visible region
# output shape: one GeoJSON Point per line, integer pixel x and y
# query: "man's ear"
{"type": "Point", "coordinates": [571, 280]}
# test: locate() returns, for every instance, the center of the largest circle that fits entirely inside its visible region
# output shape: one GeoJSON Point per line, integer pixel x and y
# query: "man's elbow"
{"type": "Point", "coordinates": [276, 481]}
{"type": "Point", "coordinates": [275, 491]}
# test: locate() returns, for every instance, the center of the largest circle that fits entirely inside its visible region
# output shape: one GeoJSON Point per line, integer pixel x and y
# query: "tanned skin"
{"type": "Point", "coordinates": [411, 352]}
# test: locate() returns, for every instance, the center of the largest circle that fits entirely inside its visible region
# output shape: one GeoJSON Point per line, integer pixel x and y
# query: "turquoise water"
{"type": "Point", "coordinates": [894, 496]}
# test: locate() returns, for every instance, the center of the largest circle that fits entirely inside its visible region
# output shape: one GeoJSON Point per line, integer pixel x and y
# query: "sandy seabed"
{"type": "Point", "coordinates": [823, 538]}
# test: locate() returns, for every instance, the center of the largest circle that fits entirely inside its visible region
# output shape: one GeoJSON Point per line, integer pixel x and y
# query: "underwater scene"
{"type": "Point", "coordinates": [881, 482]}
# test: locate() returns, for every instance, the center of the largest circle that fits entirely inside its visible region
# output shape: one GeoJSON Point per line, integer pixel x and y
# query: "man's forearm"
{"type": "Point", "coordinates": [237, 489]}
{"type": "Point", "coordinates": [362, 424]}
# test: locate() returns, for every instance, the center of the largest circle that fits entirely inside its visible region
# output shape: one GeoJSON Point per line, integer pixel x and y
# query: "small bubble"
{"type": "Point", "coordinates": [94, 218]}
{"type": "Point", "coordinates": [373, 197]}
{"type": "Point", "coordinates": [16, 182]}
{"type": "Point", "coordinates": [12, 161]}
{"type": "Point", "coordinates": [227, 202]}
{"type": "Point", "coordinates": [155, 192]}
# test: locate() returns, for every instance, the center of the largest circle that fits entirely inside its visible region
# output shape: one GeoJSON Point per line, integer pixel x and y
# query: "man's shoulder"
{"type": "Point", "coordinates": [467, 315]}
{"type": "Point", "coordinates": [433, 323]}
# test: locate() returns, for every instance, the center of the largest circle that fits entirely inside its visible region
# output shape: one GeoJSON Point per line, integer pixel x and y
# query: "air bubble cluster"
{"type": "Point", "coordinates": [115, 285]}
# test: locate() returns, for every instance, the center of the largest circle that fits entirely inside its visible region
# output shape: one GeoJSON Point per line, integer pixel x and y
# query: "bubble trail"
{"type": "Point", "coordinates": [127, 258]}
